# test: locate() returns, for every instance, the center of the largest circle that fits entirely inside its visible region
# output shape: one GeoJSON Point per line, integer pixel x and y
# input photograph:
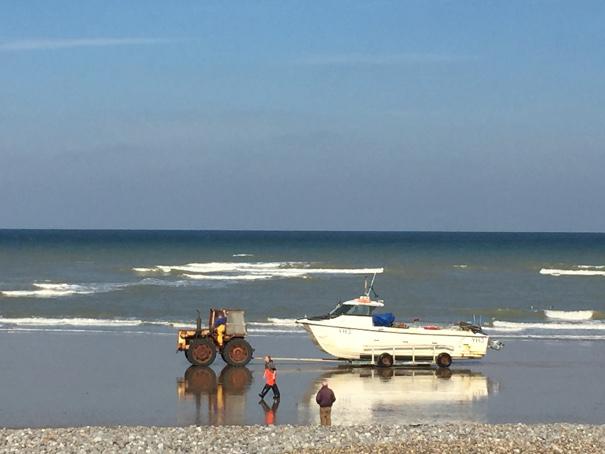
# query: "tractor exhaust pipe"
{"type": "Point", "coordinates": [198, 323]}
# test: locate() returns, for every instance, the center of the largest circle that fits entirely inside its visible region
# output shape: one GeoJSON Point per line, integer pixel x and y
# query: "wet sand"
{"type": "Point", "coordinates": [63, 379]}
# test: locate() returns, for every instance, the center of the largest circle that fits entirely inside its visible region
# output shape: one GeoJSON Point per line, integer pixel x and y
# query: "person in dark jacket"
{"type": "Point", "coordinates": [325, 398]}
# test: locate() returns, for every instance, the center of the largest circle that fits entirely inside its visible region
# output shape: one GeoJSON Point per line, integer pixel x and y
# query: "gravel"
{"type": "Point", "coordinates": [468, 438]}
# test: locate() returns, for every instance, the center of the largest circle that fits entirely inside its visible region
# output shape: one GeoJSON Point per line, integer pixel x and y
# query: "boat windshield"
{"type": "Point", "coordinates": [348, 309]}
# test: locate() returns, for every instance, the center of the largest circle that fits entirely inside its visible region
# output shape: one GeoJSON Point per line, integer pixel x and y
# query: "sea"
{"type": "Point", "coordinates": [516, 285]}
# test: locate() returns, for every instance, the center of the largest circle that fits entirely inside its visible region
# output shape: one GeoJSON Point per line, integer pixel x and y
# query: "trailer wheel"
{"type": "Point", "coordinates": [443, 360]}
{"type": "Point", "coordinates": [237, 352]}
{"type": "Point", "coordinates": [384, 360]}
{"type": "Point", "coordinates": [201, 352]}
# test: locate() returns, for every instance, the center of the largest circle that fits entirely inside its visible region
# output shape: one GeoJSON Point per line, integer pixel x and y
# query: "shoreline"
{"type": "Point", "coordinates": [557, 437]}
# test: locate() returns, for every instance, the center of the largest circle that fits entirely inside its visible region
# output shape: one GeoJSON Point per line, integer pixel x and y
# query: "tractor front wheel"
{"type": "Point", "coordinates": [237, 352]}
{"type": "Point", "coordinates": [201, 352]}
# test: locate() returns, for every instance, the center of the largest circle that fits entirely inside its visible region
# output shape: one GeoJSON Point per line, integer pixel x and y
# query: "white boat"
{"type": "Point", "coordinates": [351, 332]}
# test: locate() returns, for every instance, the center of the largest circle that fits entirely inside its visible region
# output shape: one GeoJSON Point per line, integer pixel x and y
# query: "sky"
{"type": "Point", "coordinates": [303, 115]}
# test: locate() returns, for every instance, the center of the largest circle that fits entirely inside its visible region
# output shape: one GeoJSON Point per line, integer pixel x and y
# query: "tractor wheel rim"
{"type": "Point", "coordinates": [238, 354]}
{"type": "Point", "coordinates": [201, 352]}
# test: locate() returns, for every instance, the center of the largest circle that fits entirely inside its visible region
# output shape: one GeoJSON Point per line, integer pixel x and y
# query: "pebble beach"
{"type": "Point", "coordinates": [469, 438]}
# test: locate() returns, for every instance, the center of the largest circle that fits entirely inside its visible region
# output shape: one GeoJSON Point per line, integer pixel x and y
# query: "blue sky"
{"type": "Point", "coordinates": [371, 115]}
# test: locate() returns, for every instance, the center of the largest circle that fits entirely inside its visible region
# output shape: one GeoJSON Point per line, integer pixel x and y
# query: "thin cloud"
{"type": "Point", "coordinates": [380, 60]}
{"type": "Point", "coordinates": [51, 44]}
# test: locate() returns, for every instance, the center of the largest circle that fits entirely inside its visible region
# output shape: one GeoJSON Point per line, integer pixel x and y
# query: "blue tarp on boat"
{"type": "Point", "coordinates": [383, 319]}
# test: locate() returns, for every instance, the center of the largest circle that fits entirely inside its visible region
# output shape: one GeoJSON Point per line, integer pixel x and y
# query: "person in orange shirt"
{"type": "Point", "coordinates": [270, 382]}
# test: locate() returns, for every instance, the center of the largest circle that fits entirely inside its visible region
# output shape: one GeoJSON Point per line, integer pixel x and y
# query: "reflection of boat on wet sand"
{"type": "Point", "coordinates": [365, 396]}
{"type": "Point", "coordinates": [224, 397]}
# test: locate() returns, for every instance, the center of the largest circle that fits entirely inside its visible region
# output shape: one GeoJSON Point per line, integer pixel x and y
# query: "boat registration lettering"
{"type": "Point", "coordinates": [344, 331]}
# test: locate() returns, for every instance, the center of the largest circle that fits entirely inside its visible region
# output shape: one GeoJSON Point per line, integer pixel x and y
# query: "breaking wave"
{"type": "Point", "coordinates": [276, 325]}
{"type": "Point", "coordinates": [223, 277]}
{"type": "Point", "coordinates": [271, 325]}
{"type": "Point", "coordinates": [521, 326]}
{"type": "Point", "coordinates": [570, 337]}
{"type": "Point", "coordinates": [52, 290]}
{"type": "Point", "coordinates": [41, 321]}
{"type": "Point", "coordinates": [239, 271]}
{"type": "Point", "coordinates": [587, 330]}
{"type": "Point", "coordinates": [243, 255]}
{"type": "Point", "coordinates": [569, 315]}
{"type": "Point", "coordinates": [580, 270]}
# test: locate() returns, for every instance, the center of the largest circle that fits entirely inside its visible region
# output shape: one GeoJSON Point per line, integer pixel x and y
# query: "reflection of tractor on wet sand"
{"type": "Point", "coordinates": [225, 334]}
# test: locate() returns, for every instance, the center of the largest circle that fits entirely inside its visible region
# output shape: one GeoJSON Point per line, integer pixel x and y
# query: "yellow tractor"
{"type": "Point", "coordinates": [225, 334]}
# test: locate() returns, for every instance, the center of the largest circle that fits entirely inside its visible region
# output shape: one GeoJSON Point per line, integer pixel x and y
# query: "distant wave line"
{"type": "Point", "coordinates": [568, 272]}
{"type": "Point", "coordinates": [498, 325]}
{"type": "Point", "coordinates": [249, 271]}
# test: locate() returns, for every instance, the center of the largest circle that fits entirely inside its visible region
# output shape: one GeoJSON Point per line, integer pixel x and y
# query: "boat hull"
{"type": "Point", "coordinates": [345, 341]}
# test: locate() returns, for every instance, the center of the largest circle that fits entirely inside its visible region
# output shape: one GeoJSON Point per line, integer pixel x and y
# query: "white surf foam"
{"type": "Point", "coordinates": [592, 267]}
{"type": "Point", "coordinates": [223, 277]}
{"type": "Point", "coordinates": [53, 290]}
{"type": "Point", "coordinates": [275, 331]}
{"type": "Point", "coordinates": [567, 272]}
{"type": "Point", "coordinates": [569, 315]}
{"type": "Point", "coordinates": [83, 322]}
{"type": "Point", "coordinates": [282, 321]}
{"type": "Point", "coordinates": [162, 282]}
{"type": "Point", "coordinates": [461, 266]}
{"type": "Point", "coordinates": [250, 271]}
{"type": "Point", "coordinates": [74, 324]}
{"type": "Point", "coordinates": [146, 270]}
{"type": "Point", "coordinates": [569, 337]}
{"type": "Point", "coordinates": [41, 321]}
{"type": "Point", "coordinates": [243, 255]}
{"type": "Point", "coordinates": [521, 326]}
{"type": "Point", "coordinates": [78, 331]}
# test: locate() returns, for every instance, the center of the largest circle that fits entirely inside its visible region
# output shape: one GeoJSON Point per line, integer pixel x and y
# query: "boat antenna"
{"type": "Point", "coordinates": [371, 288]}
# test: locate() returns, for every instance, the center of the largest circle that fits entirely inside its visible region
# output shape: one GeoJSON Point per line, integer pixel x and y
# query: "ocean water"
{"type": "Point", "coordinates": [538, 285]}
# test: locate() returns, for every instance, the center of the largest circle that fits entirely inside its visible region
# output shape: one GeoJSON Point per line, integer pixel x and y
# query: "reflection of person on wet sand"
{"type": "Point", "coordinates": [270, 412]}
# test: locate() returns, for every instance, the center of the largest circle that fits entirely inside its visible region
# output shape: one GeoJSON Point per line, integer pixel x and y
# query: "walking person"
{"type": "Point", "coordinates": [270, 376]}
{"type": "Point", "coordinates": [325, 398]}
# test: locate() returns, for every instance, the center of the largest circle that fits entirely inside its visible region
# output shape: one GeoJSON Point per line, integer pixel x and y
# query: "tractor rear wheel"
{"type": "Point", "coordinates": [201, 352]}
{"type": "Point", "coordinates": [237, 352]}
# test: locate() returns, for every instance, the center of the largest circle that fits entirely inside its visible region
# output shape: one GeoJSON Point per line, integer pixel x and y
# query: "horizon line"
{"type": "Point", "coordinates": [62, 229]}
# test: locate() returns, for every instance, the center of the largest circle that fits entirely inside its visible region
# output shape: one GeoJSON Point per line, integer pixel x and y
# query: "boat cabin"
{"type": "Point", "coordinates": [362, 306]}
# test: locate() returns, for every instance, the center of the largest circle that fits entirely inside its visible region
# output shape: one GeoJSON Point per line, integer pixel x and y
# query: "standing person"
{"type": "Point", "coordinates": [325, 398]}
{"type": "Point", "coordinates": [270, 382]}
